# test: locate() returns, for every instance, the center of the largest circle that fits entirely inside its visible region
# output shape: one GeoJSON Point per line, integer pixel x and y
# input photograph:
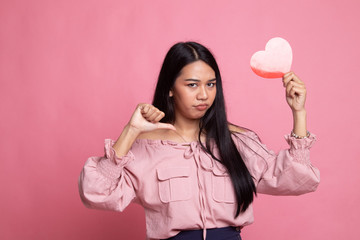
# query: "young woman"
{"type": "Point", "coordinates": [194, 173]}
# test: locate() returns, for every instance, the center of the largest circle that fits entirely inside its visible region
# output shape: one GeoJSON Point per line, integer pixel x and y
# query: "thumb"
{"type": "Point", "coordinates": [165, 126]}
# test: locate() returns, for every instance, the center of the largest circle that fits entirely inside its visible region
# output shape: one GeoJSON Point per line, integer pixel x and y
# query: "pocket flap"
{"type": "Point", "coordinates": [167, 173]}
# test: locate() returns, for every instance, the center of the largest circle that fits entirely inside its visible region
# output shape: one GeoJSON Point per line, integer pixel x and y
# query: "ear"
{"type": "Point", "coordinates": [171, 93]}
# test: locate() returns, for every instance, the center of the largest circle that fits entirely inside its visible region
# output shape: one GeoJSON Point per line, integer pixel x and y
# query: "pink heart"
{"type": "Point", "coordinates": [275, 61]}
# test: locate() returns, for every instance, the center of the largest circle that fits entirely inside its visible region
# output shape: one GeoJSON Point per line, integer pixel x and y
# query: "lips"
{"type": "Point", "coordinates": [201, 107]}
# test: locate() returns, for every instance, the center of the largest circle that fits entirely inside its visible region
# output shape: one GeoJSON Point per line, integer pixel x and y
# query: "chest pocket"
{"type": "Point", "coordinates": [222, 188]}
{"type": "Point", "coordinates": [174, 184]}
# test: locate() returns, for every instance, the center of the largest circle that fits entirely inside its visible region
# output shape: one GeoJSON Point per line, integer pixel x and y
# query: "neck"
{"type": "Point", "coordinates": [188, 129]}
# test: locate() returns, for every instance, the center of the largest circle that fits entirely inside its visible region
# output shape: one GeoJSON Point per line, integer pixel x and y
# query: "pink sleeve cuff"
{"type": "Point", "coordinates": [111, 165]}
{"type": "Point", "coordinates": [300, 148]}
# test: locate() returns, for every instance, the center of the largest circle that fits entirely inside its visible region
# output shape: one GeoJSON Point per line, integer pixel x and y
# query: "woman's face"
{"type": "Point", "coordinates": [194, 90]}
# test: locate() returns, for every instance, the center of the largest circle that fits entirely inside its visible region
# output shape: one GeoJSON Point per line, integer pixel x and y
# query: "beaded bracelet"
{"type": "Point", "coordinates": [298, 137]}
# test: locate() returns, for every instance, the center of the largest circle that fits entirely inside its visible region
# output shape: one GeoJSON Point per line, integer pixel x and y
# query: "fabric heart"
{"type": "Point", "coordinates": [275, 61]}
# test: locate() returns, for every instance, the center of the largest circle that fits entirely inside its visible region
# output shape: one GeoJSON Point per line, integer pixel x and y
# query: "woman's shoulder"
{"type": "Point", "coordinates": [155, 134]}
{"type": "Point", "coordinates": [237, 129]}
{"type": "Point", "coordinates": [242, 132]}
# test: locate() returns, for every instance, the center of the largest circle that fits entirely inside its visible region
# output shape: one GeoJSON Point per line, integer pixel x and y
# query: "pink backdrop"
{"type": "Point", "coordinates": [72, 72]}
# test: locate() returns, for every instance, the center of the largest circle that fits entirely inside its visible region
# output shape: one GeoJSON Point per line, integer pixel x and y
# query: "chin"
{"type": "Point", "coordinates": [198, 116]}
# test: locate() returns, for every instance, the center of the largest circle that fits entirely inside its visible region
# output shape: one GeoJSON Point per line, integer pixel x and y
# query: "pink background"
{"type": "Point", "coordinates": [73, 71]}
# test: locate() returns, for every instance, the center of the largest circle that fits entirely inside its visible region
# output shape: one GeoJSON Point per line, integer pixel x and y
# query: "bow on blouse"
{"type": "Point", "coordinates": [204, 158]}
{"type": "Point", "coordinates": [203, 161]}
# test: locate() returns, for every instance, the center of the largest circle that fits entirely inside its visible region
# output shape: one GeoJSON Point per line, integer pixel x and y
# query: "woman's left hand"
{"type": "Point", "coordinates": [295, 91]}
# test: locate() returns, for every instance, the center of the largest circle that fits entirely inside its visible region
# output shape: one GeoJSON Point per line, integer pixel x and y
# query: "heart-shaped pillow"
{"type": "Point", "coordinates": [275, 61]}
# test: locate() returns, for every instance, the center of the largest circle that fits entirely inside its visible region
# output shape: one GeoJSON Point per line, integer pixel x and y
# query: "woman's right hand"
{"type": "Point", "coordinates": [146, 118]}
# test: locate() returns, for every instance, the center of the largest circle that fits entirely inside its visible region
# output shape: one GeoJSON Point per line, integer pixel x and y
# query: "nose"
{"type": "Point", "coordinates": [202, 94]}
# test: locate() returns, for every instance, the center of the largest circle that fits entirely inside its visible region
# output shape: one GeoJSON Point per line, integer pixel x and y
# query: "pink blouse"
{"type": "Point", "coordinates": [181, 187]}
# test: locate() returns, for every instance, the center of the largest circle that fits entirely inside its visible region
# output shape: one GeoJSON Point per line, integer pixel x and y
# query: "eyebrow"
{"type": "Point", "coordinates": [197, 80]}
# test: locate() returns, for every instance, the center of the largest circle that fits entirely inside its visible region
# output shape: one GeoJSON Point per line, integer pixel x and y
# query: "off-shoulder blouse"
{"type": "Point", "coordinates": [181, 187]}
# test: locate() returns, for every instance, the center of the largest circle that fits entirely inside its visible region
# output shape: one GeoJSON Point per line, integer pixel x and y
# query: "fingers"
{"type": "Point", "coordinates": [291, 76]}
{"type": "Point", "coordinates": [294, 86]}
{"type": "Point", "coordinates": [151, 113]}
{"type": "Point", "coordinates": [158, 116]}
{"type": "Point", "coordinates": [294, 92]}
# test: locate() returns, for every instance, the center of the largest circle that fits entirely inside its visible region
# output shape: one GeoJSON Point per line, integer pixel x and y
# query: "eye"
{"type": "Point", "coordinates": [212, 84]}
{"type": "Point", "coordinates": [192, 85]}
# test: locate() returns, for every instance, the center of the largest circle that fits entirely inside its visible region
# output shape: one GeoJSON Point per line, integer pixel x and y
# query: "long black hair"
{"type": "Point", "coordinates": [214, 123]}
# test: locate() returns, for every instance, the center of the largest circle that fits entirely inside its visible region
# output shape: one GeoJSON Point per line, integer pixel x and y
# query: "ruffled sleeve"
{"type": "Point", "coordinates": [104, 181]}
{"type": "Point", "coordinates": [289, 172]}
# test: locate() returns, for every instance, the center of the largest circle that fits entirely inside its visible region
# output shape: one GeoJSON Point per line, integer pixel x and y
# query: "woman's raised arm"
{"type": "Point", "coordinates": [295, 97]}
